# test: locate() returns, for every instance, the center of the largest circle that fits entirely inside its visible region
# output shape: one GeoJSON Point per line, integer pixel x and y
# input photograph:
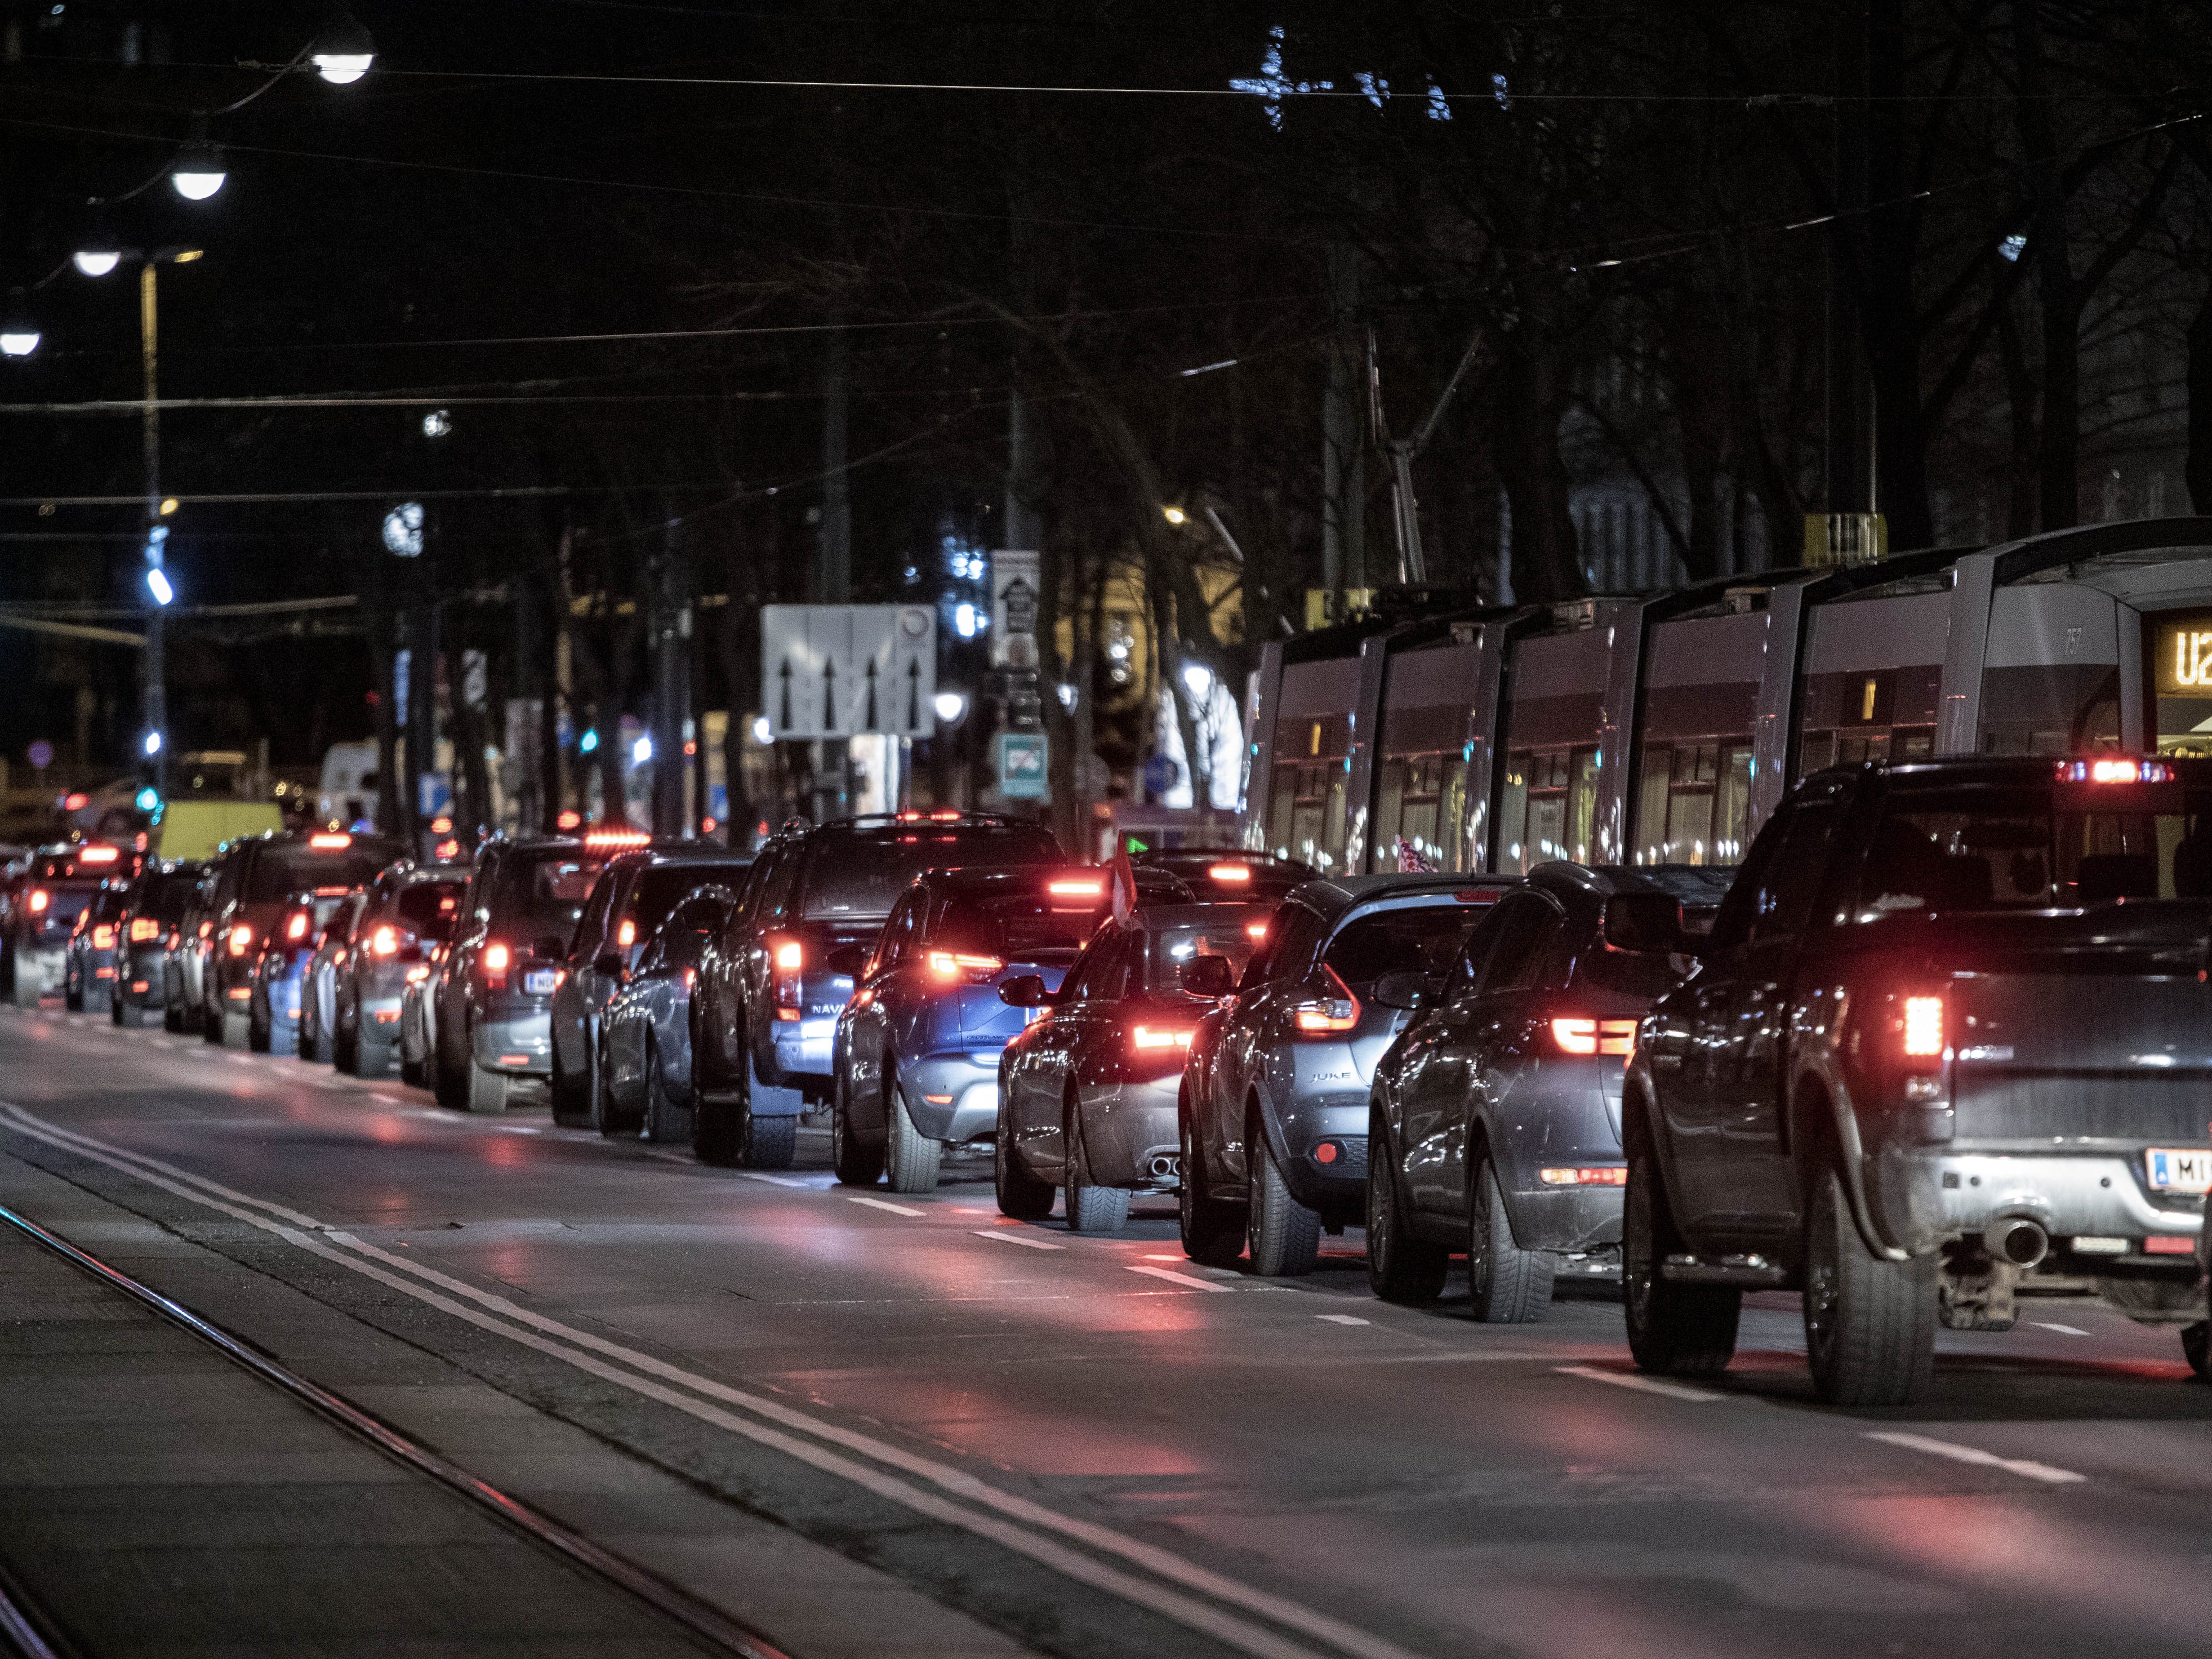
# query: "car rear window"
{"type": "Point", "coordinates": [281, 871]}
{"type": "Point", "coordinates": [858, 874]}
{"type": "Point", "coordinates": [541, 893]}
{"type": "Point", "coordinates": [427, 903]}
{"type": "Point", "coordinates": [1014, 928]}
{"type": "Point", "coordinates": [167, 898]}
{"type": "Point", "coordinates": [659, 889]}
{"type": "Point", "coordinates": [1423, 937]}
{"type": "Point", "coordinates": [1167, 949]}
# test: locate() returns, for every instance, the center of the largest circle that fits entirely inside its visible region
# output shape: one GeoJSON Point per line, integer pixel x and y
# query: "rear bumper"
{"type": "Point", "coordinates": [970, 1091]}
{"type": "Point", "coordinates": [1129, 1127]}
{"type": "Point", "coordinates": [1920, 1198]}
{"type": "Point", "coordinates": [1333, 1121]}
{"type": "Point", "coordinates": [802, 1049]}
{"type": "Point", "coordinates": [141, 978]}
{"type": "Point", "coordinates": [518, 1042]}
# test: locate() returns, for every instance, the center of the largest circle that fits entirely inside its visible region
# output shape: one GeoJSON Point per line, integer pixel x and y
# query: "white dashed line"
{"type": "Point", "coordinates": [884, 1203]}
{"type": "Point", "coordinates": [1958, 1454]}
{"type": "Point", "coordinates": [776, 1181]}
{"type": "Point", "coordinates": [1342, 1319]}
{"type": "Point", "coordinates": [1006, 1238]}
{"type": "Point", "coordinates": [2063, 1330]}
{"type": "Point", "coordinates": [389, 1100]}
{"type": "Point", "coordinates": [1174, 1278]}
{"type": "Point", "coordinates": [1629, 1380]}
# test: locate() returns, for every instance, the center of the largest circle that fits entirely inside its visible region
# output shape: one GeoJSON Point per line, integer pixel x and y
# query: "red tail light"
{"type": "Point", "coordinates": [1086, 889]}
{"type": "Point", "coordinates": [242, 940]}
{"type": "Point", "coordinates": [385, 941]}
{"type": "Point", "coordinates": [789, 956]}
{"type": "Point", "coordinates": [496, 959]}
{"type": "Point", "coordinates": [144, 927]}
{"type": "Point", "coordinates": [1234, 874]}
{"type": "Point", "coordinates": [571, 819]}
{"type": "Point", "coordinates": [39, 899]}
{"type": "Point", "coordinates": [1331, 1015]}
{"type": "Point", "coordinates": [1922, 1026]}
{"type": "Point", "coordinates": [296, 929]}
{"type": "Point", "coordinates": [626, 935]}
{"type": "Point", "coordinates": [103, 937]}
{"type": "Point", "coordinates": [607, 840]}
{"type": "Point", "coordinates": [1600, 1174]}
{"type": "Point", "coordinates": [206, 929]}
{"type": "Point", "coordinates": [950, 965]}
{"type": "Point", "coordinates": [1157, 1038]}
{"type": "Point", "coordinates": [1255, 930]}
{"type": "Point", "coordinates": [1594, 1036]}
{"type": "Point", "coordinates": [330, 843]}
{"type": "Point", "coordinates": [97, 855]}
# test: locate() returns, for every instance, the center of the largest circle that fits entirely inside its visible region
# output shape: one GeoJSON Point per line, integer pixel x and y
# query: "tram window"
{"type": "Point", "coordinates": [1422, 800]}
{"type": "Point", "coordinates": [1694, 805]}
{"type": "Point", "coordinates": [1549, 807]}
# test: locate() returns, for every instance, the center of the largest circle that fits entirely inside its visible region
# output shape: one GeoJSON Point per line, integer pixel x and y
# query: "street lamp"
{"type": "Point", "coordinates": [197, 173]}
{"type": "Point", "coordinates": [19, 335]}
{"type": "Point", "coordinates": [343, 50]}
{"type": "Point", "coordinates": [96, 262]}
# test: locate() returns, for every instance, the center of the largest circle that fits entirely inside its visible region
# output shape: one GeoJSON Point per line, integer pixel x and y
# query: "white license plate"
{"type": "Point", "coordinates": [538, 982]}
{"type": "Point", "coordinates": [2178, 1169]}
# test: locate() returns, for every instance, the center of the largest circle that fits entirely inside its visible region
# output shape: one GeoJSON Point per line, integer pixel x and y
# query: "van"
{"type": "Point", "coordinates": [194, 829]}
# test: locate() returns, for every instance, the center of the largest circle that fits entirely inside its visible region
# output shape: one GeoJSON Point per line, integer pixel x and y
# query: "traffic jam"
{"type": "Point", "coordinates": [1932, 1050]}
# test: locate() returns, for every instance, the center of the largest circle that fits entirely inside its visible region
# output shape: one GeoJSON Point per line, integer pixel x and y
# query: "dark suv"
{"type": "Point", "coordinates": [158, 899]}
{"type": "Point", "coordinates": [765, 1011]}
{"type": "Point", "coordinates": [493, 988]}
{"type": "Point", "coordinates": [59, 885]}
{"type": "Point", "coordinates": [251, 891]}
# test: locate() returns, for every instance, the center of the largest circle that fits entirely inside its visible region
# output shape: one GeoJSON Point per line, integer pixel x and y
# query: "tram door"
{"type": "Point", "coordinates": [1873, 676]}
{"type": "Point", "coordinates": [1547, 807]}
{"type": "Point", "coordinates": [1423, 781]}
{"type": "Point", "coordinates": [1313, 740]}
{"type": "Point", "coordinates": [1693, 761]}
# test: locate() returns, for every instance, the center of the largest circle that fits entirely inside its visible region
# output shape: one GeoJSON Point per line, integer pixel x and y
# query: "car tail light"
{"type": "Point", "coordinates": [97, 855]}
{"type": "Point", "coordinates": [690, 978]}
{"type": "Point", "coordinates": [1156, 1037]}
{"type": "Point", "coordinates": [330, 843]}
{"type": "Point", "coordinates": [950, 965]}
{"type": "Point", "coordinates": [103, 937]}
{"type": "Point", "coordinates": [789, 956]}
{"type": "Point", "coordinates": [1599, 1174]}
{"type": "Point", "coordinates": [206, 929]}
{"type": "Point", "coordinates": [296, 929]}
{"type": "Point", "coordinates": [570, 819]}
{"type": "Point", "coordinates": [1922, 1026]}
{"type": "Point", "coordinates": [626, 935]}
{"type": "Point", "coordinates": [613, 838]}
{"type": "Point", "coordinates": [496, 959]}
{"type": "Point", "coordinates": [1323, 1016]}
{"type": "Point", "coordinates": [174, 939]}
{"type": "Point", "coordinates": [242, 938]}
{"type": "Point", "coordinates": [1087, 889]}
{"type": "Point", "coordinates": [416, 975]}
{"type": "Point", "coordinates": [1255, 930]}
{"type": "Point", "coordinates": [1594, 1036]}
{"type": "Point", "coordinates": [1236, 875]}
{"type": "Point", "coordinates": [144, 927]}
{"type": "Point", "coordinates": [39, 899]}
{"type": "Point", "coordinates": [947, 816]}
{"type": "Point", "coordinates": [2110, 770]}
{"type": "Point", "coordinates": [385, 941]}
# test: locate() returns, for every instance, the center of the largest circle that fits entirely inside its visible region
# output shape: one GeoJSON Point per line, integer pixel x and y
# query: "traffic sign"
{"type": "Point", "coordinates": [1016, 584]}
{"type": "Point", "coordinates": [835, 671]}
{"type": "Point", "coordinates": [1023, 774]}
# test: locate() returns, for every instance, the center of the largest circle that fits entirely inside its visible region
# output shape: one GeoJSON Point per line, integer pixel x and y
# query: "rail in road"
{"type": "Point", "coordinates": [866, 1423]}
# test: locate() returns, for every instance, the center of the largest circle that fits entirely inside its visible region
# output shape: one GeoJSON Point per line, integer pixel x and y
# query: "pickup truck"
{"type": "Point", "coordinates": [1951, 1030]}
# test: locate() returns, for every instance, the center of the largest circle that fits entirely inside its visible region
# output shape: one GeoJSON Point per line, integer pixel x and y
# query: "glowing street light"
{"type": "Point", "coordinates": [96, 262]}
{"type": "Point", "coordinates": [640, 751]}
{"type": "Point", "coordinates": [19, 335]}
{"type": "Point", "coordinates": [197, 172]}
{"type": "Point", "coordinates": [949, 707]}
{"type": "Point", "coordinates": [157, 584]}
{"type": "Point", "coordinates": [343, 50]}
{"type": "Point", "coordinates": [153, 743]}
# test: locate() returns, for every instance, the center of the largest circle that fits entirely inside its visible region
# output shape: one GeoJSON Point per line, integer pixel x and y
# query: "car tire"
{"type": "Point", "coordinates": [343, 1054]}
{"type": "Point", "coordinates": [1089, 1209]}
{"type": "Point", "coordinates": [667, 1119]}
{"type": "Point", "coordinates": [1675, 1330]}
{"type": "Point", "coordinates": [411, 1072]}
{"type": "Point", "coordinates": [1212, 1229]}
{"type": "Point", "coordinates": [115, 1008]}
{"type": "Point", "coordinates": [1021, 1195]}
{"type": "Point", "coordinates": [1281, 1235]}
{"type": "Point", "coordinates": [857, 1159]}
{"type": "Point", "coordinates": [607, 1118]}
{"type": "Point", "coordinates": [2197, 1349]}
{"type": "Point", "coordinates": [1870, 1322]}
{"type": "Point", "coordinates": [911, 1159]}
{"type": "Point", "coordinates": [1507, 1285]}
{"type": "Point", "coordinates": [72, 996]}
{"type": "Point", "coordinates": [449, 1079]}
{"type": "Point", "coordinates": [768, 1143]}
{"type": "Point", "coordinates": [260, 1036]}
{"type": "Point", "coordinates": [487, 1090]}
{"type": "Point", "coordinates": [572, 1096]}
{"type": "Point", "coordinates": [1400, 1268]}
{"type": "Point", "coordinates": [230, 1031]}
{"type": "Point", "coordinates": [173, 1017]}
{"type": "Point", "coordinates": [368, 1058]}
{"type": "Point", "coordinates": [129, 1016]}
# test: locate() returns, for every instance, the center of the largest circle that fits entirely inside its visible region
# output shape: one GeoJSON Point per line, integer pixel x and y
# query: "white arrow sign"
{"type": "Point", "coordinates": [834, 671]}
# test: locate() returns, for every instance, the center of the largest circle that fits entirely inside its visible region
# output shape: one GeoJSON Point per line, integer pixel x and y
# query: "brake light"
{"type": "Point", "coordinates": [96, 855]}
{"type": "Point", "coordinates": [1332, 1014]}
{"type": "Point", "coordinates": [385, 941]}
{"type": "Point", "coordinates": [618, 838]}
{"type": "Point", "coordinates": [1235, 874]}
{"type": "Point", "coordinates": [626, 935]}
{"type": "Point", "coordinates": [297, 927]}
{"type": "Point", "coordinates": [206, 929]}
{"type": "Point", "coordinates": [948, 816]}
{"type": "Point", "coordinates": [416, 976]}
{"type": "Point", "coordinates": [1923, 1028]}
{"type": "Point", "coordinates": [442, 825]}
{"type": "Point", "coordinates": [571, 819]}
{"type": "Point", "coordinates": [39, 899]}
{"type": "Point", "coordinates": [953, 964]}
{"type": "Point", "coordinates": [240, 937]}
{"type": "Point", "coordinates": [1594, 1036]}
{"type": "Point", "coordinates": [1156, 1037]}
{"type": "Point", "coordinates": [103, 937]}
{"type": "Point", "coordinates": [690, 977]}
{"type": "Point", "coordinates": [144, 928]}
{"type": "Point", "coordinates": [2109, 770]}
{"type": "Point", "coordinates": [496, 958]}
{"type": "Point", "coordinates": [1086, 887]}
{"type": "Point", "coordinates": [330, 843]}
{"type": "Point", "coordinates": [1601, 1175]}
{"type": "Point", "coordinates": [447, 851]}
{"type": "Point", "coordinates": [1255, 930]}
{"type": "Point", "coordinates": [789, 956]}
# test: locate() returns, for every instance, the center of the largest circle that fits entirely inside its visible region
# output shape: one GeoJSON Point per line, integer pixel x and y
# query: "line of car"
{"type": "Point", "coordinates": [1938, 1044]}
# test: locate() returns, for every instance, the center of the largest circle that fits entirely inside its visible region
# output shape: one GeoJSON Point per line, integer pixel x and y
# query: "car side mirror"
{"type": "Point", "coordinates": [846, 960]}
{"type": "Point", "coordinates": [1407, 988]}
{"type": "Point", "coordinates": [1208, 977]}
{"type": "Point", "coordinates": [1650, 922]}
{"type": "Point", "coordinates": [1024, 991]}
{"type": "Point", "coordinates": [608, 962]}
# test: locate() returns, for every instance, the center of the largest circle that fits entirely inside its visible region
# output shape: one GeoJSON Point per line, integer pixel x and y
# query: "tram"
{"type": "Point", "coordinates": [1665, 728]}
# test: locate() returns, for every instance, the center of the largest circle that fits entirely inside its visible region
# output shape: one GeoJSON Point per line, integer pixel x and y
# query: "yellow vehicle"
{"type": "Point", "coordinates": [194, 828]}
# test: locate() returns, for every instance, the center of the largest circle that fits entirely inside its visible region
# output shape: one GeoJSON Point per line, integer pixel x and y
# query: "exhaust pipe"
{"type": "Point", "coordinates": [1165, 1166]}
{"type": "Point", "coordinates": [2016, 1239]}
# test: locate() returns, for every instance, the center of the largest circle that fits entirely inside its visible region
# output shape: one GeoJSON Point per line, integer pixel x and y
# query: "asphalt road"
{"type": "Point", "coordinates": [873, 1424]}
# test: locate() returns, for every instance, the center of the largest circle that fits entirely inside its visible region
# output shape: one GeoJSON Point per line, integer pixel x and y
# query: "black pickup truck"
{"type": "Point", "coordinates": [1951, 1029]}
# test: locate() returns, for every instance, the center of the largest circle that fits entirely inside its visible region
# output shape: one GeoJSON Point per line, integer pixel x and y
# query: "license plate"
{"type": "Point", "coordinates": [538, 982]}
{"type": "Point", "coordinates": [2178, 1169]}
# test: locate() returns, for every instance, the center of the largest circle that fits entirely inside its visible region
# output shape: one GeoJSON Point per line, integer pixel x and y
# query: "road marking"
{"type": "Point", "coordinates": [1167, 1258]}
{"type": "Point", "coordinates": [1016, 1524]}
{"type": "Point", "coordinates": [1174, 1278]}
{"type": "Point", "coordinates": [1630, 1380]}
{"type": "Point", "coordinates": [2063, 1330]}
{"type": "Point", "coordinates": [776, 1181]}
{"type": "Point", "coordinates": [884, 1203]}
{"type": "Point", "coordinates": [389, 1100]}
{"type": "Point", "coordinates": [1004, 1237]}
{"type": "Point", "coordinates": [1958, 1454]}
{"type": "Point", "coordinates": [1343, 1319]}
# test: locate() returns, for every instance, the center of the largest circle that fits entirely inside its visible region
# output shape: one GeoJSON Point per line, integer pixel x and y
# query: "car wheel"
{"type": "Point", "coordinates": [1090, 1209]}
{"type": "Point", "coordinates": [1400, 1268]}
{"type": "Point", "coordinates": [368, 1058]}
{"type": "Point", "coordinates": [667, 1119]}
{"type": "Point", "coordinates": [487, 1090]}
{"type": "Point", "coordinates": [1870, 1323]}
{"type": "Point", "coordinates": [572, 1096]}
{"type": "Point", "coordinates": [608, 1118]}
{"type": "Point", "coordinates": [1212, 1229]}
{"type": "Point", "coordinates": [129, 1015]}
{"type": "Point", "coordinates": [1509, 1285]}
{"type": "Point", "coordinates": [857, 1159]}
{"type": "Point", "coordinates": [230, 1030]}
{"type": "Point", "coordinates": [911, 1157]}
{"type": "Point", "coordinates": [411, 1072]}
{"type": "Point", "coordinates": [449, 1077]}
{"type": "Point", "coordinates": [72, 996]}
{"type": "Point", "coordinates": [260, 1037]}
{"type": "Point", "coordinates": [343, 1048]}
{"type": "Point", "coordinates": [1021, 1195]}
{"type": "Point", "coordinates": [173, 1017]}
{"type": "Point", "coordinates": [769, 1143]}
{"type": "Point", "coordinates": [1677, 1330]}
{"type": "Point", "coordinates": [1281, 1235]}
{"type": "Point", "coordinates": [2197, 1349]}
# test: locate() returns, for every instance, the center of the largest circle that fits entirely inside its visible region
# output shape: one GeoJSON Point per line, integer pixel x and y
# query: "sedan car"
{"type": "Point", "coordinates": [915, 1055]}
{"type": "Point", "coordinates": [406, 913]}
{"type": "Point", "coordinates": [332, 944]}
{"type": "Point", "coordinates": [1274, 1144]}
{"type": "Point", "coordinates": [61, 883]}
{"type": "Point", "coordinates": [252, 885]}
{"type": "Point", "coordinates": [277, 982]}
{"type": "Point", "coordinates": [1088, 1092]}
{"type": "Point", "coordinates": [152, 915]}
{"type": "Point", "coordinates": [1494, 1125]}
{"type": "Point", "coordinates": [645, 1033]}
{"type": "Point", "coordinates": [88, 960]}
